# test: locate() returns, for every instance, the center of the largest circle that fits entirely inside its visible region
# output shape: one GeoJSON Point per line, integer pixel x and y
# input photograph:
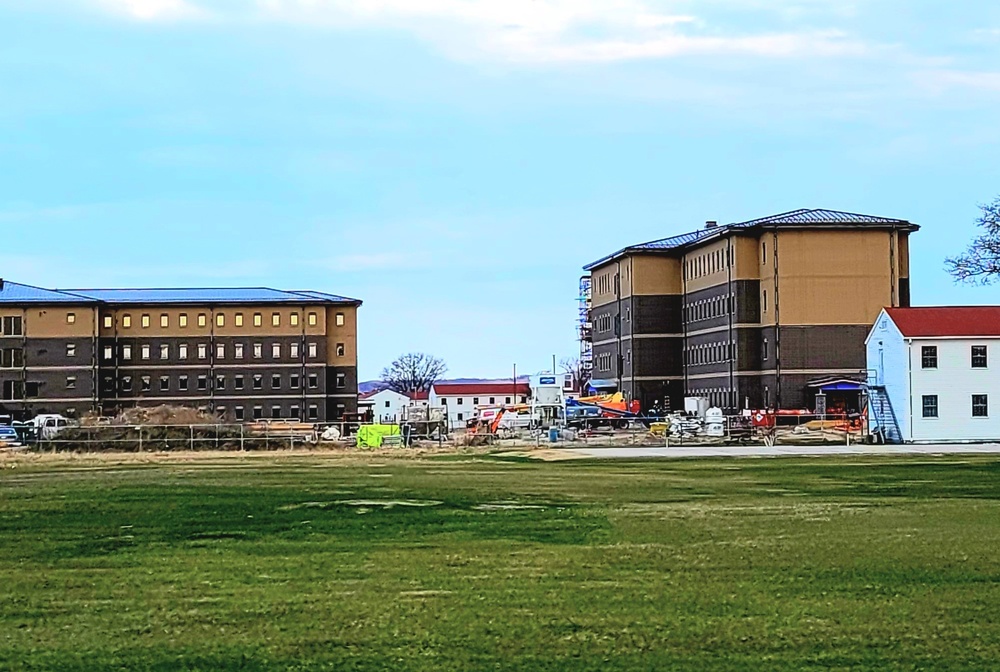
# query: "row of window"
{"type": "Point", "coordinates": [709, 263]}
{"type": "Point", "coordinates": [979, 356]}
{"type": "Point", "coordinates": [12, 326]}
{"type": "Point", "coordinates": [718, 397]}
{"type": "Point", "coordinates": [710, 353]}
{"type": "Point", "coordinates": [201, 351]}
{"type": "Point", "coordinates": [980, 406]}
{"type": "Point", "coordinates": [708, 309]}
{"type": "Point", "coordinates": [204, 383]}
{"type": "Point", "coordinates": [460, 401]}
{"type": "Point", "coordinates": [145, 320]}
{"type": "Point", "coordinates": [604, 361]}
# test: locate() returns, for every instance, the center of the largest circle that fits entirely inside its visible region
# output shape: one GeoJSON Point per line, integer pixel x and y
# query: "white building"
{"type": "Point", "coordinates": [462, 399]}
{"type": "Point", "coordinates": [386, 406]}
{"type": "Point", "coordinates": [933, 374]}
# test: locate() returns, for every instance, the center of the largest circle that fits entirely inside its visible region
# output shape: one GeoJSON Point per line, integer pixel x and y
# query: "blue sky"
{"type": "Point", "coordinates": [455, 163]}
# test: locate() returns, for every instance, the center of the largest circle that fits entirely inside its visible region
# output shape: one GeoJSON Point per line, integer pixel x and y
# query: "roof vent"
{"type": "Point", "coordinates": [711, 224]}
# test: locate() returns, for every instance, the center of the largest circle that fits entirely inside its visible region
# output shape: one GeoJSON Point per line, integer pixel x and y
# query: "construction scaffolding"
{"type": "Point", "coordinates": [585, 328]}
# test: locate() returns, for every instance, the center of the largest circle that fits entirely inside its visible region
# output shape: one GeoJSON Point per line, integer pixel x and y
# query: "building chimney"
{"type": "Point", "coordinates": [711, 224]}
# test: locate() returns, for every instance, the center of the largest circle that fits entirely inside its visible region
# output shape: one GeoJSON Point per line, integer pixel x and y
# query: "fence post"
{"type": "Point", "coordinates": [140, 437]}
{"type": "Point", "coordinates": [242, 445]}
{"type": "Point", "coordinates": [191, 428]}
{"type": "Point", "coordinates": [267, 437]}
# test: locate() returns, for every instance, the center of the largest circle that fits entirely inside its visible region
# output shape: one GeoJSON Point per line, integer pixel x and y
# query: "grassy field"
{"type": "Point", "coordinates": [460, 563]}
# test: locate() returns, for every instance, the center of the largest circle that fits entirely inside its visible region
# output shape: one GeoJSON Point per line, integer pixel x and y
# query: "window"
{"type": "Point", "coordinates": [312, 351]}
{"type": "Point", "coordinates": [313, 412]}
{"type": "Point", "coordinates": [126, 383]}
{"type": "Point", "coordinates": [763, 254]}
{"type": "Point", "coordinates": [293, 350]}
{"type": "Point", "coordinates": [238, 351]}
{"type": "Point", "coordinates": [164, 351]}
{"type": "Point", "coordinates": [444, 401]}
{"type": "Point", "coordinates": [220, 382]}
{"type": "Point", "coordinates": [182, 383]}
{"type": "Point", "coordinates": [276, 350]}
{"type": "Point", "coordinates": [929, 357]}
{"type": "Point", "coordinates": [71, 349]}
{"type": "Point", "coordinates": [164, 383]}
{"type": "Point", "coordinates": [147, 383]}
{"type": "Point", "coordinates": [313, 381]}
{"type": "Point", "coordinates": [930, 406]}
{"type": "Point", "coordinates": [108, 385]}
{"type": "Point", "coordinates": [460, 401]}
{"type": "Point", "coordinates": [202, 383]}
{"type": "Point", "coordinates": [475, 401]}
{"type": "Point", "coordinates": [764, 350]}
{"type": "Point", "coordinates": [220, 411]}
{"type": "Point", "coordinates": [341, 349]}
{"type": "Point", "coordinates": [275, 319]}
{"type": "Point", "coordinates": [275, 381]}
{"type": "Point", "coordinates": [202, 351]}
{"type": "Point", "coordinates": [294, 412]}
{"type": "Point", "coordinates": [258, 382]}
{"type": "Point", "coordinates": [388, 404]}
{"type": "Point", "coordinates": [127, 321]}
{"type": "Point", "coordinates": [164, 321]}
{"type": "Point", "coordinates": [70, 318]}
{"type": "Point", "coordinates": [145, 352]}
{"type": "Point", "coordinates": [258, 412]}
{"type": "Point", "coordinates": [258, 350]}
{"type": "Point", "coordinates": [220, 319]}
{"type": "Point", "coordinates": [109, 352]}
{"type": "Point", "coordinates": [507, 401]}
{"type": "Point", "coordinates": [980, 406]}
{"type": "Point", "coordinates": [493, 400]}
{"type": "Point", "coordinates": [108, 322]}
{"type": "Point", "coordinates": [238, 382]}
{"type": "Point", "coordinates": [340, 319]}
{"type": "Point", "coordinates": [126, 352]}
{"type": "Point", "coordinates": [293, 381]}
{"type": "Point", "coordinates": [460, 417]}
{"type": "Point", "coordinates": [71, 382]}
{"type": "Point", "coordinates": [238, 319]}
{"type": "Point", "coordinates": [313, 319]}
{"type": "Point", "coordinates": [220, 350]}
{"type": "Point", "coordinates": [341, 381]}
{"type": "Point", "coordinates": [294, 319]}
{"type": "Point", "coordinates": [979, 357]}
{"type": "Point", "coordinates": [182, 351]}
{"type": "Point", "coordinates": [182, 320]}
{"type": "Point", "coordinates": [763, 302]}
{"type": "Point", "coordinates": [258, 319]}
{"type": "Point", "coordinates": [239, 414]}
{"type": "Point", "coordinates": [202, 320]}
{"type": "Point", "coordinates": [276, 412]}
{"type": "Point", "coordinates": [144, 321]}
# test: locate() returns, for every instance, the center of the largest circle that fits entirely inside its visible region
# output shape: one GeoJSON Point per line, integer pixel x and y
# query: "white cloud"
{"type": "Point", "coordinates": [942, 81]}
{"type": "Point", "coordinates": [153, 10]}
{"type": "Point", "coordinates": [533, 31]}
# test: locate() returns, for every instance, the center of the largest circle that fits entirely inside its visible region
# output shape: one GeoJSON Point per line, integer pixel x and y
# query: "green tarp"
{"type": "Point", "coordinates": [372, 436]}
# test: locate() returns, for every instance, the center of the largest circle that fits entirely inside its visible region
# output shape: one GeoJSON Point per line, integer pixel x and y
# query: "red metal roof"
{"type": "Point", "coordinates": [480, 389]}
{"type": "Point", "coordinates": [956, 321]}
{"type": "Point", "coordinates": [419, 396]}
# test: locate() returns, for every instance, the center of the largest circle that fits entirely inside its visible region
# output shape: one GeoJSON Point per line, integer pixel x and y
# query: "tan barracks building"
{"type": "Point", "coordinates": [752, 314]}
{"type": "Point", "coordinates": [243, 354]}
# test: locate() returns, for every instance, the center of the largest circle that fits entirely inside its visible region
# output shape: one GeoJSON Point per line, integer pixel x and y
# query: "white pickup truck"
{"type": "Point", "coordinates": [47, 426]}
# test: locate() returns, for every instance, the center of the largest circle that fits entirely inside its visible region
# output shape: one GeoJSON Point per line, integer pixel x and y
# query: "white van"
{"type": "Point", "coordinates": [48, 425]}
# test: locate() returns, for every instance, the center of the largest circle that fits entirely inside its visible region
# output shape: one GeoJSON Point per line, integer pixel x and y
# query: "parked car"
{"type": "Point", "coordinates": [8, 436]}
{"type": "Point", "coordinates": [49, 425]}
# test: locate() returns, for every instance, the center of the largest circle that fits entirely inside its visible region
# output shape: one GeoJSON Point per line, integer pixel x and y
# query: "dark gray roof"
{"type": "Point", "coordinates": [794, 218]}
{"type": "Point", "coordinates": [16, 293]}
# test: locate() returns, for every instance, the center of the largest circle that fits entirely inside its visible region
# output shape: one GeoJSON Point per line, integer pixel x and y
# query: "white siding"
{"type": "Point", "coordinates": [888, 362]}
{"type": "Point", "coordinates": [955, 382]}
{"type": "Point", "coordinates": [388, 406]}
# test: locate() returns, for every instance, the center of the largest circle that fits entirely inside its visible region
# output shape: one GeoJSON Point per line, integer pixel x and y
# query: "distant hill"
{"type": "Point", "coordinates": [372, 385]}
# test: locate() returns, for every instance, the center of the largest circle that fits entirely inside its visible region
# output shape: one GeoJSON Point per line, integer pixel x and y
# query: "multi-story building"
{"type": "Point", "coordinates": [747, 314]}
{"type": "Point", "coordinates": [241, 353]}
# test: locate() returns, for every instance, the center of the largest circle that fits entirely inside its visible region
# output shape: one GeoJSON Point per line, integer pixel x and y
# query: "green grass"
{"type": "Point", "coordinates": [305, 564]}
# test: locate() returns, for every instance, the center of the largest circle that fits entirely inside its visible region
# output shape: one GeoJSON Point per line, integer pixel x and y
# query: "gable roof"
{"type": "Point", "coordinates": [794, 218]}
{"type": "Point", "coordinates": [944, 321]}
{"type": "Point", "coordinates": [480, 389]}
{"type": "Point", "coordinates": [229, 295]}
{"type": "Point", "coordinates": [15, 292]}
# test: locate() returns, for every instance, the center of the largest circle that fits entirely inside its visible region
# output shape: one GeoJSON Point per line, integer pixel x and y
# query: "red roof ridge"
{"type": "Point", "coordinates": [944, 321]}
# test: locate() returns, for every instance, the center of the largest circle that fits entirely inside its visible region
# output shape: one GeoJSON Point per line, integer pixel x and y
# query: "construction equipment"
{"type": "Point", "coordinates": [610, 410]}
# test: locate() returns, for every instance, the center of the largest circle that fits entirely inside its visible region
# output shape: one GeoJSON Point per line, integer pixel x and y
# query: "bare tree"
{"type": "Point", "coordinates": [981, 262]}
{"type": "Point", "coordinates": [574, 367]}
{"type": "Point", "coordinates": [413, 372]}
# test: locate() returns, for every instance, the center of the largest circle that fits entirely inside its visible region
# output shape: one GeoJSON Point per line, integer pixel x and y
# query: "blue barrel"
{"type": "Point", "coordinates": [553, 435]}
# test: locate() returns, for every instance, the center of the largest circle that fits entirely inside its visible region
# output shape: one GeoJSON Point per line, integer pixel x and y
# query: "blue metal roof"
{"type": "Point", "coordinates": [801, 217]}
{"type": "Point", "coordinates": [14, 292]}
{"type": "Point", "coordinates": [208, 295]}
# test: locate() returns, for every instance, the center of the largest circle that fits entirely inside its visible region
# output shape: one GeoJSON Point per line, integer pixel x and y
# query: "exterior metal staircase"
{"type": "Point", "coordinates": [881, 412]}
